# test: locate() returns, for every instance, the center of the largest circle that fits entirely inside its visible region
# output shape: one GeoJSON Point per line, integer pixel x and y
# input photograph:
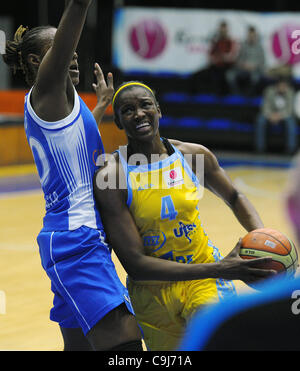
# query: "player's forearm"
{"type": "Point", "coordinates": [99, 112]}
{"type": "Point", "coordinates": [155, 269]}
{"type": "Point", "coordinates": [246, 213]}
{"type": "Point", "coordinates": [232, 267]}
{"type": "Point", "coordinates": [67, 37]}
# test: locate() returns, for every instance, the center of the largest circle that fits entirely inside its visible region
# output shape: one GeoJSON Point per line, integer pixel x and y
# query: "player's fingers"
{"type": "Point", "coordinates": [259, 262]}
{"type": "Point", "coordinates": [236, 250]}
{"type": "Point", "coordinates": [262, 273]}
{"type": "Point", "coordinates": [266, 272]}
{"type": "Point", "coordinates": [238, 245]}
{"type": "Point", "coordinates": [98, 71]}
{"type": "Point", "coordinates": [94, 87]}
{"type": "Point", "coordinates": [110, 80]}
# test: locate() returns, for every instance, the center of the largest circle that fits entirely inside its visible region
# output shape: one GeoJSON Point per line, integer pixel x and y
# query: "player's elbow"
{"type": "Point", "coordinates": [234, 198]}
{"type": "Point", "coordinates": [137, 273]}
{"type": "Point", "coordinates": [139, 269]}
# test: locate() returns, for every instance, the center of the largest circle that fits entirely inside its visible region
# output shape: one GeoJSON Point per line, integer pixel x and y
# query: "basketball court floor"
{"type": "Point", "coordinates": [25, 296]}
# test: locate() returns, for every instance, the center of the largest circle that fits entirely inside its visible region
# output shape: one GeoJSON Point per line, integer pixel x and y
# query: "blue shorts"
{"type": "Point", "coordinates": [83, 277]}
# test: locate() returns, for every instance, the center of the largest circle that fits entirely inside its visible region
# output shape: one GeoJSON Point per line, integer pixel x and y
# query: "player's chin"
{"type": "Point", "coordinates": [148, 133]}
{"type": "Point", "coordinates": [74, 77]}
{"type": "Point", "coordinates": [75, 81]}
{"type": "Point", "coordinates": [144, 137]}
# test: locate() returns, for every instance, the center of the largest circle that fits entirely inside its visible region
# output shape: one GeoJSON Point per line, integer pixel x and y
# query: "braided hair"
{"type": "Point", "coordinates": [25, 42]}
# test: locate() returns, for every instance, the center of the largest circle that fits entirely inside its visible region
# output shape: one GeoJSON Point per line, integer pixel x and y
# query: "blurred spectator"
{"type": "Point", "coordinates": [297, 105]}
{"type": "Point", "coordinates": [249, 67]}
{"type": "Point", "coordinates": [222, 55]}
{"type": "Point", "coordinates": [283, 70]}
{"type": "Point", "coordinates": [277, 109]}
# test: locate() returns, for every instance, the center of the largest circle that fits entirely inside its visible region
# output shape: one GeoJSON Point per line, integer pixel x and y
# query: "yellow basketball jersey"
{"type": "Point", "coordinates": [163, 198]}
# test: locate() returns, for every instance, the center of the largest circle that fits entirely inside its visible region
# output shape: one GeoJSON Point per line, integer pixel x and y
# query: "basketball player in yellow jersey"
{"type": "Point", "coordinates": [150, 214]}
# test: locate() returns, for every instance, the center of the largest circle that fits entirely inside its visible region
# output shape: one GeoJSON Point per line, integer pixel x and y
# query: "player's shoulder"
{"type": "Point", "coordinates": [195, 149]}
{"type": "Point", "coordinates": [191, 148]}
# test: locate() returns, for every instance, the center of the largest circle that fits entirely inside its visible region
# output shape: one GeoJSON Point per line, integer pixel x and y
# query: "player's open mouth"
{"type": "Point", "coordinates": [143, 127]}
{"type": "Point", "coordinates": [74, 69]}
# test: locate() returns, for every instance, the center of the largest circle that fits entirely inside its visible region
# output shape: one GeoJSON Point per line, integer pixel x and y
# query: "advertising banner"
{"type": "Point", "coordinates": [161, 40]}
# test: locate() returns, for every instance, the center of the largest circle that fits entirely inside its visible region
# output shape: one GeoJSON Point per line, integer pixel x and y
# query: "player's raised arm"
{"type": "Point", "coordinates": [55, 66]}
{"type": "Point", "coordinates": [53, 83]}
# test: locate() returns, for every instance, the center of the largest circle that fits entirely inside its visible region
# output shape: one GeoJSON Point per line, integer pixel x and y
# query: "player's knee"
{"type": "Point", "coordinates": [74, 340]}
{"type": "Point", "coordinates": [118, 327]}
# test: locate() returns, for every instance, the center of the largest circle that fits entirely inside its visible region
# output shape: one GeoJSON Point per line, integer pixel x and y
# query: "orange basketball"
{"type": "Point", "coordinates": [269, 242]}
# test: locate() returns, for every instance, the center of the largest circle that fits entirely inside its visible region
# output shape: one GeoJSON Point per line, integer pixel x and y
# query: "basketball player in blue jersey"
{"type": "Point", "coordinates": [90, 303]}
{"type": "Point", "coordinates": [173, 267]}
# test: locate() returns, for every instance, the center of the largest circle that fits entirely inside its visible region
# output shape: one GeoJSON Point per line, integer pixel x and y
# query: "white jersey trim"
{"type": "Point", "coordinates": [55, 125]}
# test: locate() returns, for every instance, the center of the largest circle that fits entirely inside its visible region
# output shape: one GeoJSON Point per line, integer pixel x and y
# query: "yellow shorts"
{"type": "Point", "coordinates": [164, 308]}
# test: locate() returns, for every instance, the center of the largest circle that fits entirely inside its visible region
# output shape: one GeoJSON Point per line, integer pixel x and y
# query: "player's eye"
{"type": "Point", "coordinates": [126, 110]}
{"type": "Point", "coordinates": [147, 104]}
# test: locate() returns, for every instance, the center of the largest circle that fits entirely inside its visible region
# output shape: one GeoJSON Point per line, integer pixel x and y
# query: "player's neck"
{"type": "Point", "coordinates": [156, 146]}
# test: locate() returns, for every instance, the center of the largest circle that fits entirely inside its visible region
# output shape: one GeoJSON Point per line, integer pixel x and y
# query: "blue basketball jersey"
{"type": "Point", "coordinates": [65, 154]}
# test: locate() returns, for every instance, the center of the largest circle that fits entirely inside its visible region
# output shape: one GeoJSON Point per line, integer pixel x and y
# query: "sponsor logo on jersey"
{"type": "Point", "coordinates": [185, 230]}
{"type": "Point", "coordinates": [173, 177]}
{"type": "Point", "coordinates": [154, 240]}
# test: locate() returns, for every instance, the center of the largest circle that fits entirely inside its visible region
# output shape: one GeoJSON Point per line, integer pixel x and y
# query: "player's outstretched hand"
{"type": "Point", "coordinates": [236, 268]}
{"type": "Point", "coordinates": [104, 91]}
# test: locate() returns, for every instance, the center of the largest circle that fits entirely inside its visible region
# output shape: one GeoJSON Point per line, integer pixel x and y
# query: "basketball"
{"type": "Point", "coordinates": [269, 242]}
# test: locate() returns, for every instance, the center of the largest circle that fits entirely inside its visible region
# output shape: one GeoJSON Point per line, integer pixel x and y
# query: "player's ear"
{"type": "Point", "coordinates": [158, 110]}
{"type": "Point", "coordinates": [33, 59]}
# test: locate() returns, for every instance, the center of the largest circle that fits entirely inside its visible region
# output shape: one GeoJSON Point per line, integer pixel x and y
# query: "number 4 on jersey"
{"type": "Point", "coordinates": [167, 209]}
